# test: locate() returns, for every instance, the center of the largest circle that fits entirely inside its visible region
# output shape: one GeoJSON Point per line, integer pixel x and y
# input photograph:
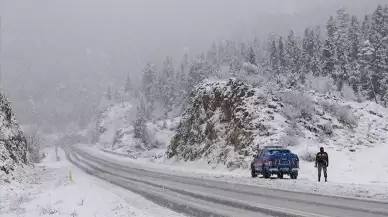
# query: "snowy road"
{"type": "Point", "coordinates": [198, 197]}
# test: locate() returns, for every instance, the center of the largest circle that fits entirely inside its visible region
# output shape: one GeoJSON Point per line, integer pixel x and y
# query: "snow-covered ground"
{"type": "Point", "coordinates": [354, 134]}
{"type": "Point", "coordinates": [342, 181]}
{"type": "Point", "coordinates": [49, 192]}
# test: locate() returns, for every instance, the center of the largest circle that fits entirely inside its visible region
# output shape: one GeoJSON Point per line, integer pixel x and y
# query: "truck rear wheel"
{"type": "Point", "coordinates": [253, 173]}
{"type": "Point", "coordinates": [267, 175]}
{"type": "Point", "coordinates": [294, 175]}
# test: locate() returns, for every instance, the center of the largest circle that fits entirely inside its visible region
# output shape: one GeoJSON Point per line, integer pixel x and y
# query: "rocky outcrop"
{"type": "Point", "coordinates": [219, 125]}
{"type": "Point", "coordinates": [227, 120]}
{"type": "Point", "coordinates": [13, 145]}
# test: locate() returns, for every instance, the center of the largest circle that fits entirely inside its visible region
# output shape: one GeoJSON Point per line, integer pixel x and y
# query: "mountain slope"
{"type": "Point", "coordinates": [227, 120]}
{"type": "Point", "coordinates": [13, 145]}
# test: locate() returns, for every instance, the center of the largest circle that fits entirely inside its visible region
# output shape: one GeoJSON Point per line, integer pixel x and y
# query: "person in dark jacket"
{"type": "Point", "coordinates": [322, 162]}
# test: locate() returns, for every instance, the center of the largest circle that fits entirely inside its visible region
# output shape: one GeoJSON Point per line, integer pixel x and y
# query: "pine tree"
{"type": "Point", "coordinates": [365, 28]}
{"type": "Point", "coordinates": [274, 59]}
{"type": "Point", "coordinates": [108, 94]}
{"type": "Point", "coordinates": [140, 125]}
{"type": "Point", "coordinates": [293, 52]}
{"type": "Point", "coordinates": [329, 50]}
{"type": "Point", "coordinates": [308, 50]}
{"type": "Point", "coordinates": [376, 39]}
{"type": "Point", "coordinates": [282, 57]}
{"type": "Point", "coordinates": [197, 72]}
{"type": "Point", "coordinates": [118, 96]}
{"type": "Point", "coordinates": [149, 81]}
{"type": "Point", "coordinates": [316, 63]}
{"type": "Point", "coordinates": [342, 47]}
{"type": "Point", "coordinates": [355, 45]}
{"type": "Point", "coordinates": [128, 85]}
{"type": "Point", "coordinates": [167, 83]}
{"type": "Point", "coordinates": [251, 57]}
{"type": "Point", "coordinates": [365, 58]}
{"type": "Point", "coordinates": [182, 81]}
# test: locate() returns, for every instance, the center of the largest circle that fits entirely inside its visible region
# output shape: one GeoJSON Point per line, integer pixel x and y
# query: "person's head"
{"type": "Point", "coordinates": [321, 149]}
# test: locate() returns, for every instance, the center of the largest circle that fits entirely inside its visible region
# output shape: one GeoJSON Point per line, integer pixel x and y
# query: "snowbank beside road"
{"type": "Point", "coordinates": [50, 192]}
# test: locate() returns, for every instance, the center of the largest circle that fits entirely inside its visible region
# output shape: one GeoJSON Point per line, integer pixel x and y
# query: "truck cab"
{"type": "Point", "coordinates": [275, 160]}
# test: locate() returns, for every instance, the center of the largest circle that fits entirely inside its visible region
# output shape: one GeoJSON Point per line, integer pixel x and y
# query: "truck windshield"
{"type": "Point", "coordinates": [279, 151]}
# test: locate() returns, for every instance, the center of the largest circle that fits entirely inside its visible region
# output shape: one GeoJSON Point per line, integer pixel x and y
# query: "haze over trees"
{"type": "Point", "coordinates": [353, 52]}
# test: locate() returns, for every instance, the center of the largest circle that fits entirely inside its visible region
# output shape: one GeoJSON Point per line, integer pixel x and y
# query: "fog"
{"type": "Point", "coordinates": [59, 56]}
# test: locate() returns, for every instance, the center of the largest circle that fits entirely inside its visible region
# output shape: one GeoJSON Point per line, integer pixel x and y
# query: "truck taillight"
{"type": "Point", "coordinates": [295, 162]}
{"type": "Point", "coordinates": [268, 163]}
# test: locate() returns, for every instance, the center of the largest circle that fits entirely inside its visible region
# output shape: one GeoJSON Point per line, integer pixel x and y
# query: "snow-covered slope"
{"type": "Point", "coordinates": [13, 147]}
{"type": "Point", "coordinates": [115, 132]}
{"type": "Point", "coordinates": [227, 120]}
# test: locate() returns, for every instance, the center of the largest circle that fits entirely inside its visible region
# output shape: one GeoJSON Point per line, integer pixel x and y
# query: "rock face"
{"type": "Point", "coordinates": [13, 145]}
{"type": "Point", "coordinates": [227, 120]}
{"type": "Point", "coordinates": [219, 124]}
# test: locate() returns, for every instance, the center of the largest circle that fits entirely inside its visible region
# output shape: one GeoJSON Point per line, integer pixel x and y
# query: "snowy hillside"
{"type": "Point", "coordinates": [229, 119]}
{"type": "Point", "coordinates": [115, 132]}
{"type": "Point", "coordinates": [13, 147]}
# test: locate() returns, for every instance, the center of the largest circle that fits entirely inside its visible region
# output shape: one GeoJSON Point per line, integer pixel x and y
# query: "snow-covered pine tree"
{"type": "Point", "coordinates": [382, 61]}
{"type": "Point", "coordinates": [365, 28]}
{"type": "Point", "coordinates": [293, 52]}
{"type": "Point", "coordinates": [197, 72]}
{"type": "Point", "coordinates": [274, 59]}
{"type": "Point", "coordinates": [140, 125]}
{"type": "Point", "coordinates": [149, 81]}
{"type": "Point", "coordinates": [128, 89]}
{"type": "Point", "coordinates": [308, 50]}
{"type": "Point", "coordinates": [365, 58]}
{"type": "Point", "coordinates": [118, 96]}
{"type": "Point", "coordinates": [376, 39]}
{"type": "Point", "coordinates": [316, 63]}
{"type": "Point", "coordinates": [251, 56]}
{"type": "Point", "coordinates": [167, 84]}
{"type": "Point", "coordinates": [282, 57]}
{"type": "Point", "coordinates": [342, 47]}
{"type": "Point", "coordinates": [354, 38]}
{"type": "Point", "coordinates": [108, 94]}
{"type": "Point", "coordinates": [182, 81]}
{"type": "Point", "coordinates": [329, 50]}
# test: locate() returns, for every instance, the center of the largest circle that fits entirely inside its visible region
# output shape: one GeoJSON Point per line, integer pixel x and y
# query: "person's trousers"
{"type": "Point", "coordinates": [320, 168]}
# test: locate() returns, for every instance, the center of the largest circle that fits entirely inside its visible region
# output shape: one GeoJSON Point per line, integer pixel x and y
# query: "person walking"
{"type": "Point", "coordinates": [322, 162]}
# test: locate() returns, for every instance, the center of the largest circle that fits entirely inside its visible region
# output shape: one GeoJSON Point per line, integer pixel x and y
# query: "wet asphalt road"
{"type": "Point", "coordinates": [209, 198]}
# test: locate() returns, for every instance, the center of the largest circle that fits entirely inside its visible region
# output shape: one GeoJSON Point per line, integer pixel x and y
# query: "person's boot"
{"type": "Point", "coordinates": [325, 179]}
{"type": "Point", "coordinates": [319, 179]}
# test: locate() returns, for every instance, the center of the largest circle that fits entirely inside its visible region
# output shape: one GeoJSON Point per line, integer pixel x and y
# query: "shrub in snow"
{"type": "Point", "coordinates": [342, 113]}
{"type": "Point", "coordinates": [289, 141]}
{"type": "Point", "coordinates": [301, 105]}
{"type": "Point", "coordinates": [328, 129]}
{"type": "Point", "coordinates": [320, 84]}
{"type": "Point", "coordinates": [307, 156]}
{"type": "Point", "coordinates": [348, 93]}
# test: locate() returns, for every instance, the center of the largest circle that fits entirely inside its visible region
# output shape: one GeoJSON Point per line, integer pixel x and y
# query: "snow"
{"type": "Point", "coordinates": [341, 181]}
{"type": "Point", "coordinates": [49, 192]}
{"type": "Point", "coordinates": [357, 143]}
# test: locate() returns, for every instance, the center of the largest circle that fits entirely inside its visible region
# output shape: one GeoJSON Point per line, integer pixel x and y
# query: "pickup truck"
{"type": "Point", "coordinates": [275, 160]}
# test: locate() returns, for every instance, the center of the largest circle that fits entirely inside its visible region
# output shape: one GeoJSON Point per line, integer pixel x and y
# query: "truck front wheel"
{"type": "Point", "coordinates": [294, 175]}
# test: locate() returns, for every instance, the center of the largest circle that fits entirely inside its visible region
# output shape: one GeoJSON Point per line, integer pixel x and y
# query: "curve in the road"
{"type": "Point", "coordinates": [240, 197]}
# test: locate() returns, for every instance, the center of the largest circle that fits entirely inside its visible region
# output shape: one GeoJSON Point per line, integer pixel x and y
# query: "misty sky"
{"type": "Point", "coordinates": [53, 50]}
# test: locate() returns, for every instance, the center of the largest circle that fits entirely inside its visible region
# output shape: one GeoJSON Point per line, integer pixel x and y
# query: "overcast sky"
{"type": "Point", "coordinates": [51, 44]}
